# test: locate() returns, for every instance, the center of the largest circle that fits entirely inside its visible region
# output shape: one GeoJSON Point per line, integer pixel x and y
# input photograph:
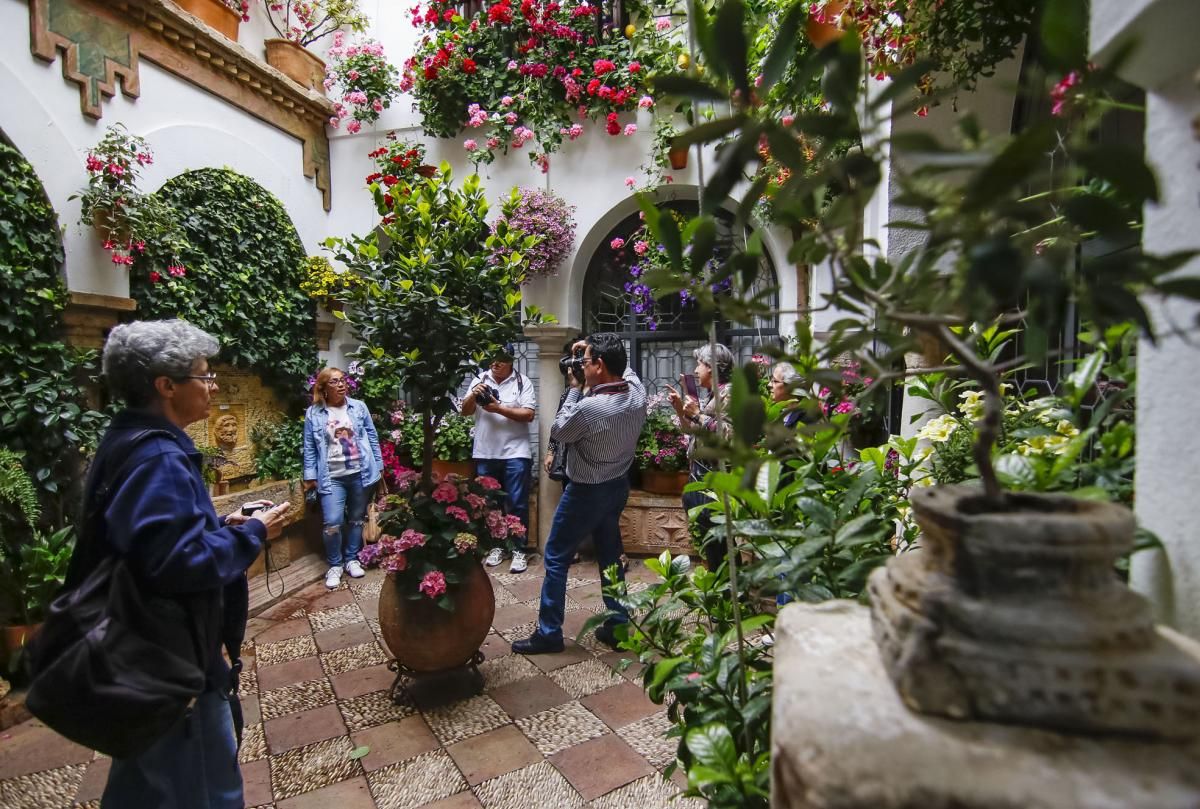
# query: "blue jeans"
{"type": "Point", "coordinates": [194, 766]}
{"type": "Point", "coordinates": [346, 503]}
{"type": "Point", "coordinates": [585, 508]}
{"type": "Point", "coordinates": [514, 475]}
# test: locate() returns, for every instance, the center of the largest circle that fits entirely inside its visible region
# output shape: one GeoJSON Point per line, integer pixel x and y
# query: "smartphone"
{"type": "Point", "coordinates": [256, 505]}
{"type": "Point", "coordinates": [689, 386]}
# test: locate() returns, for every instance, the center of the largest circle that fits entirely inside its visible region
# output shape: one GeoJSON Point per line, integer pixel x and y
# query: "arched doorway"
{"type": "Point", "coordinates": [661, 348]}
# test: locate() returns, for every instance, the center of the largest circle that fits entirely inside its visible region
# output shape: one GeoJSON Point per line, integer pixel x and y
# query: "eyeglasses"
{"type": "Point", "coordinates": [340, 382]}
{"type": "Point", "coordinates": [208, 379]}
{"type": "Point", "coordinates": [592, 360]}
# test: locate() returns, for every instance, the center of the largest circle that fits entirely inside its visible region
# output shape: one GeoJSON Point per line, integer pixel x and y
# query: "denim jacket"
{"type": "Point", "coordinates": [316, 461]}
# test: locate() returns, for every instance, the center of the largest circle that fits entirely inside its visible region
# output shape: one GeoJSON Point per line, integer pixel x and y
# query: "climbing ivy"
{"type": "Point", "coordinates": [241, 277]}
{"type": "Point", "coordinates": [43, 415]}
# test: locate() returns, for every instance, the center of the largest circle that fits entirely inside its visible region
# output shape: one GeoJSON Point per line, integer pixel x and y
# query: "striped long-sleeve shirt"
{"type": "Point", "coordinates": [601, 429]}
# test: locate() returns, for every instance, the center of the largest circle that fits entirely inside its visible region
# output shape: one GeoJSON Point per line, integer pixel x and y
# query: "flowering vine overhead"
{"type": "Point", "coordinates": [533, 70]}
{"type": "Point", "coordinates": [365, 79]}
{"type": "Point", "coordinates": [306, 21]}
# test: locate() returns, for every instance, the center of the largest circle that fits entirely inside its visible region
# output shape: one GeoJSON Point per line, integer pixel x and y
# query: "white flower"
{"type": "Point", "coordinates": [939, 429]}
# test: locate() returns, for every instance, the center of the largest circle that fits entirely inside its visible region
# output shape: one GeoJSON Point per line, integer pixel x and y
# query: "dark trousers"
{"type": "Point", "coordinates": [585, 508]}
{"type": "Point", "coordinates": [514, 476]}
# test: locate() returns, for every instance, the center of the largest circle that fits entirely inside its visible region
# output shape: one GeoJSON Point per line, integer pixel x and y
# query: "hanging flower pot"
{"type": "Point", "coordinates": [215, 14]}
{"type": "Point", "coordinates": [423, 637]}
{"type": "Point", "coordinates": [823, 33]}
{"type": "Point", "coordinates": [297, 63]}
{"type": "Point", "coordinates": [678, 157]}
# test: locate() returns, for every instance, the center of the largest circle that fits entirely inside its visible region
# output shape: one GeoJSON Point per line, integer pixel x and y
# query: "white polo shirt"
{"type": "Point", "coordinates": [496, 436]}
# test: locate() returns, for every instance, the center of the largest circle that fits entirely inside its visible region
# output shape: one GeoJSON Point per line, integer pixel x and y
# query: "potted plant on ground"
{"type": "Point", "coordinates": [452, 446]}
{"type": "Point", "coordinates": [441, 292]}
{"type": "Point", "coordinates": [300, 23]}
{"type": "Point", "coordinates": [439, 611]}
{"type": "Point", "coordinates": [662, 449]}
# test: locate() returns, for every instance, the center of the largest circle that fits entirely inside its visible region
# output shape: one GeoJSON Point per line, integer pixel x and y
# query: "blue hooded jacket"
{"type": "Point", "coordinates": [161, 519]}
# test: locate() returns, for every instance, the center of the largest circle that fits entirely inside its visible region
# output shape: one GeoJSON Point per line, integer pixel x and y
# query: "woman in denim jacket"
{"type": "Point", "coordinates": [343, 463]}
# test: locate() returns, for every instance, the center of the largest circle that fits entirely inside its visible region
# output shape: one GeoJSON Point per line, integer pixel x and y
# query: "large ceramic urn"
{"type": "Point", "coordinates": [423, 637]}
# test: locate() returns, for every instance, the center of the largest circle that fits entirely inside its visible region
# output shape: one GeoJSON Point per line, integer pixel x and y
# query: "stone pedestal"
{"type": "Point", "coordinates": [842, 739]}
{"type": "Point", "coordinates": [653, 523]}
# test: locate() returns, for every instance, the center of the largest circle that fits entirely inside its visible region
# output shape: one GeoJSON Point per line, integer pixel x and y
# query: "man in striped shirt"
{"type": "Point", "coordinates": [600, 423]}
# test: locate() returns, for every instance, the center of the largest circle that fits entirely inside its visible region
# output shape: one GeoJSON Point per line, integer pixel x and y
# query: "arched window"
{"type": "Point", "coordinates": [661, 350]}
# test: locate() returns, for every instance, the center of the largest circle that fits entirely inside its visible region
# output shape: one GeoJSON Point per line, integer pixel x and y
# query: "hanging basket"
{"type": "Point", "coordinates": [678, 157]}
{"type": "Point", "coordinates": [823, 33]}
{"type": "Point", "coordinates": [215, 14]}
{"type": "Point", "coordinates": [423, 637]}
{"type": "Point", "coordinates": [297, 63]}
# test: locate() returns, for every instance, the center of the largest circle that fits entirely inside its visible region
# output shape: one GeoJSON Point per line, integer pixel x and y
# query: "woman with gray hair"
{"type": "Point", "coordinates": [155, 512]}
{"type": "Point", "coordinates": [783, 387]}
{"type": "Point", "coordinates": [711, 361]}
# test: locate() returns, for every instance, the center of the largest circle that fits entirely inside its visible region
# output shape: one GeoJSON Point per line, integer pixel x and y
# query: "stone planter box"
{"type": "Point", "coordinates": [653, 523]}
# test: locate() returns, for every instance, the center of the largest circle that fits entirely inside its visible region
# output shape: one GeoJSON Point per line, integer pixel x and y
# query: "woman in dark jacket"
{"type": "Point", "coordinates": [159, 516]}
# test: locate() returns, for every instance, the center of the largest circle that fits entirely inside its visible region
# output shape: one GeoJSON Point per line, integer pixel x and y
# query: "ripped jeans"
{"type": "Point", "coordinates": [344, 509]}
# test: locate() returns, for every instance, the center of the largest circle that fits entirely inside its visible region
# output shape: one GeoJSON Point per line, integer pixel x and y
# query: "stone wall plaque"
{"type": "Point", "coordinates": [240, 402]}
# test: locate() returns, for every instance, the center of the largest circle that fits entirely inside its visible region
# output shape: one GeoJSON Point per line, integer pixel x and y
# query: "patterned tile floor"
{"type": "Point", "coordinates": [548, 732]}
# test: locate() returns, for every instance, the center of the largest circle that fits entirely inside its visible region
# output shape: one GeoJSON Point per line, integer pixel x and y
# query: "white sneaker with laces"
{"type": "Point", "coordinates": [518, 562]}
{"type": "Point", "coordinates": [334, 577]}
{"type": "Point", "coordinates": [495, 557]}
{"type": "Point", "coordinates": [355, 569]}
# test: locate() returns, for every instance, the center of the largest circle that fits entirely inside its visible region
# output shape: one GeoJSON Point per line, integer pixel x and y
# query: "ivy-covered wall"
{"type": "Point", "coordinates": [242, 277]}
{"type": "Point", "coordinates": [42, 412]}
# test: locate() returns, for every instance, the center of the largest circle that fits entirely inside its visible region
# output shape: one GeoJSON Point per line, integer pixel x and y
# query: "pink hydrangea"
{"type": "Point", "coordinates": [445, 492]}
{"type": "Point", "coordinates": [488, 482]}
{"type": "Point", "coordinates": [458, 512]}
{"type": "Point", "coordinates": [412, 538]}
{"type": "Point", "coordinates": [515, 528]}
{"type": "Point", "coordinates": [497, 527]}
{"type": "Point", "coordinates": [433, 584]}
{"type": "Point", "coordinates": [395, 563]}
{"type": "Point", "coordinates": [476, 503]}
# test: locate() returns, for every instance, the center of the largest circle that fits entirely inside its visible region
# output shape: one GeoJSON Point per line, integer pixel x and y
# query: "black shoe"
{"type": "Point", "coordinates": [608, 636]}
{"type": "Point", "coordinates": [537, 644]}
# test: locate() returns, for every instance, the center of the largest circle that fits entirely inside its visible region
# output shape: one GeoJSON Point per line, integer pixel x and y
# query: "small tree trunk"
{"type": "Point", "coordinates": [429, 426]}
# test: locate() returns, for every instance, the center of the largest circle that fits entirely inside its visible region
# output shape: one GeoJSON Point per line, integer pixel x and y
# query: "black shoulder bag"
{"type": "Point", "coordinates": [114, 667]}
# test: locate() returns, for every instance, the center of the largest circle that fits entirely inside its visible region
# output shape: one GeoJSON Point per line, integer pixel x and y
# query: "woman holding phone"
{"type": "Point", "coordinates": [710, 362]}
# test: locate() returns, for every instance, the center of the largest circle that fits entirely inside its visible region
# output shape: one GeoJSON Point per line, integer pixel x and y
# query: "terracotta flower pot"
{"type": "Point", "coordinates": [426, 638]}
{"type": "Point", "coordinates": [822, 33]}
{"type": "Point", "coordinates": [297, 63]}
{"type": "Point", "coordinates": [215, 14]}
{"type": "Point", "coordinates": [13, 638]}
{"type": "Point", "coordinates": [678, 157]}
{"type": "Point", "coordinates": [658, 482]}
{"type": "Point", "coordinates": [442, 468]}
{"type": "Point", "coordinates": [427, 171]}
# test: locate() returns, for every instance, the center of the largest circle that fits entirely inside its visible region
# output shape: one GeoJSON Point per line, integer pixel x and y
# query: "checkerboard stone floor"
{"type": "Point", "coordinates": [548, 732]}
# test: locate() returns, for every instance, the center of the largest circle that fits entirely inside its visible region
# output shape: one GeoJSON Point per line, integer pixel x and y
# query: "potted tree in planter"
{"type": "Point", "coordinates": [300, 23]}
{"type": "Point", "coordinates": [441, 292]}
{"type": "Point", "coordinates": [954, 619]}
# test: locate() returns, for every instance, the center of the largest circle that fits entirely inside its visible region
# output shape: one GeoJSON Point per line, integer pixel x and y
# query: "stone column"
{"type": "Point", "coordinates": [549, 339]}
{"type": "Point", "coordinates": [1165, 62]}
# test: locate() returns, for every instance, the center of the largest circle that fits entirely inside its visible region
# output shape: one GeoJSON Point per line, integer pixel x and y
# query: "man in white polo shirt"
{"type": "Point", "coordinates": [502, 402]}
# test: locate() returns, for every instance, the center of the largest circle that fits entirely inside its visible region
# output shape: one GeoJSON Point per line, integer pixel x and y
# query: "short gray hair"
{"type": "Point", "coordinates": [724, 364]}
{"type": "Point", "coordinates": [787, 371]}
{"type": "Point", "coordinates": [138, 353]}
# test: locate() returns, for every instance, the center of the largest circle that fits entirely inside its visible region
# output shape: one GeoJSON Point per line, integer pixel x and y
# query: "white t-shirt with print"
{"type": "Point", "coordinates": [343, 453]}
{"type": "Point", "coordinates": [497, 436]}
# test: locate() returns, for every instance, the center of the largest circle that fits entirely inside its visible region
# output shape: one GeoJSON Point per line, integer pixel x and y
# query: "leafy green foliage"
{"type": "Point", "coordinates": [245, 266]}
{"type": "Point", "coordinates": [278, 448]}
{"type": "Point", "coordinates": [32, 563]}
{"type": "Point", "coordinates": [441, 291]}
{"type": "Point", "coordinates": [43, 415]}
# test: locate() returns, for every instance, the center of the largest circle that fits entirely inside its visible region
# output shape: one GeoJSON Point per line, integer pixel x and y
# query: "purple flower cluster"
{"type": "Point", "coordinates": [544, 213]}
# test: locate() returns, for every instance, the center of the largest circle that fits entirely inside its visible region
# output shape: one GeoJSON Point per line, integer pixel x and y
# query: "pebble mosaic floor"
{"type": "Point", "coordinates": [548, 732]}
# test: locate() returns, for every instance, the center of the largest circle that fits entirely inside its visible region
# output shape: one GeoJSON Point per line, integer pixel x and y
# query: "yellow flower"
{"type": "Point", "coordinates": [1066, 428]}
{"type": "Point", "coordinates": [939, 429]}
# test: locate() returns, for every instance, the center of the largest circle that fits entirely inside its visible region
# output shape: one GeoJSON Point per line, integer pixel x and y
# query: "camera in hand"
{"type": "Point", "coordinates": [487, 395]}
{"type": "Point", "coordinates": [255, 505]}
{"type": "Point", "coordinates": [573, 365]}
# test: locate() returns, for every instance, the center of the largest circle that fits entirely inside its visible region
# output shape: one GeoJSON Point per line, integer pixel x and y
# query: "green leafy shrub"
{"type": "Point", "coordinates": [245, 267]}
{"type": "Point", "coordinates": [278, 448]}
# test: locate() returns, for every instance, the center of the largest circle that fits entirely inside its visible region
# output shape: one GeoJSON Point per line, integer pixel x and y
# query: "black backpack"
{"type": "Point", "coordinates": [111, 669]}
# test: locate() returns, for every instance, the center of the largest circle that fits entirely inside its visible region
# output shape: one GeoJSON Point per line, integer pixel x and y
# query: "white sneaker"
{"type": "Point", "coordinates": [518, 563]}
{"type": "Point", "coordinates": [355, 569]}
{"type": "Point", "coordinates": [495, 557]}
{"type": "Point", "coordinates": [334, 577]}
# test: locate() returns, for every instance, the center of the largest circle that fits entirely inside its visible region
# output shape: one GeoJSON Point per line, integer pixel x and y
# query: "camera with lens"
{"type": "Point", "coordinates": [573, 365]}
{"type": "Point", "coordinates": [487, 395]}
